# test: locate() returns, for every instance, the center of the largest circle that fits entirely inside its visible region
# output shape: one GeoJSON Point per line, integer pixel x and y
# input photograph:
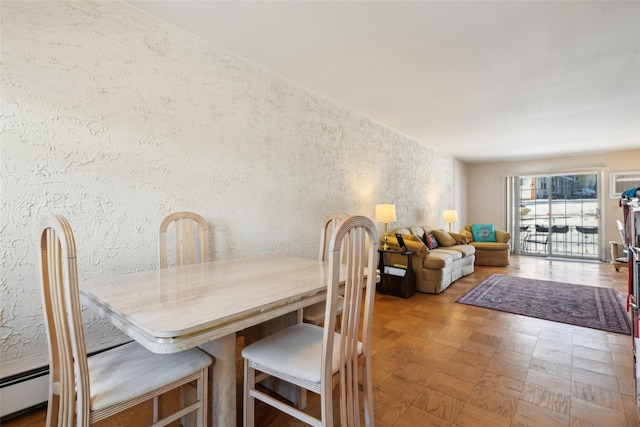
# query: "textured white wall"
{"type": "Point", "coordinates": [115, 120]}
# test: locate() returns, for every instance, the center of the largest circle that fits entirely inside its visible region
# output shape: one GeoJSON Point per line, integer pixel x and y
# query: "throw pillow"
{"type": "Point", "coordinates": [444, 238]}
{"type": "Point", "coordinates": [412, 243]}
{"type": "Point", "coordinates": [434, 242]}
{"type": "Point", "coordinates": [428, 241]}
{"type": "Point", "coordinates": [483, 233]}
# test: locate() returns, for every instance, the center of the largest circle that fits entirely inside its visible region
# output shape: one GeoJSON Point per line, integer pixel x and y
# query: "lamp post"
{"type": "Point", "coordinates": [450, 216]}
{"type": "Point", "coordinates": [385, 213]}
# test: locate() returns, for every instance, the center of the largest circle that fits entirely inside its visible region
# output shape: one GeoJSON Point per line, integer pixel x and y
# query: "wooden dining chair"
{"type": "Point", "coordinates": [318, 358]}
{"type": "Point", "coordinates": [190, 239]}
{"type": "Point", "coordinates": [84, 390]}
{"type": "Point", "coordinates": [315, 313]}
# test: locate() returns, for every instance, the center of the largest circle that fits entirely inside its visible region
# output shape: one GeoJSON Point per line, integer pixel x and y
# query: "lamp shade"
{"type": "Point", "coordinates": [385, 213]}
{"type": "Point", "coordinates": [450, 215]}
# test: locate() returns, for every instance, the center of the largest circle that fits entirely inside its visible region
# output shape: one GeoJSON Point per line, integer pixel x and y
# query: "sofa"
{"type": "Point", "coordinates": [438, 267]}
{"type": "Point", "coordinates": [494, 252]}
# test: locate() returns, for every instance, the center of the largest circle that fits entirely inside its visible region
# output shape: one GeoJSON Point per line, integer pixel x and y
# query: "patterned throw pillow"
{"type": "Point", "coordinates": [483, 233]}
{"type": "Point", "coordinates": [434, 242]}
{"type": "Point", "coordinates": [427, 241]}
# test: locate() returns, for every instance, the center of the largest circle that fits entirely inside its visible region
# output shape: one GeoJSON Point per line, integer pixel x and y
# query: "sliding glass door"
{"type": "Point", "coordinates": [558, 215]}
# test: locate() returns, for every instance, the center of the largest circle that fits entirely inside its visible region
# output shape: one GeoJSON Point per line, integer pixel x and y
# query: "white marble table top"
{"type": "Point", "coordinates": [172, 309]}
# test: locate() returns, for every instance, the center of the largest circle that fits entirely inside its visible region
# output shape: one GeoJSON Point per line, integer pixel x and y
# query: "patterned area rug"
{"type": "Point", "coordinates": [580, 305]}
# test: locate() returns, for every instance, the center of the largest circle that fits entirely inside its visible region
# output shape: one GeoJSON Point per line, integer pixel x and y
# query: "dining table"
{"type": "Point", "coordinates": [204, 305]}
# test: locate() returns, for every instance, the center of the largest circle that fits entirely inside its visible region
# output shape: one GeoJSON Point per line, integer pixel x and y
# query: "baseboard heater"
{"type": "Point", "coordinates": [27, 391]}
{"type": "Point", "coordinates": [24, 392]}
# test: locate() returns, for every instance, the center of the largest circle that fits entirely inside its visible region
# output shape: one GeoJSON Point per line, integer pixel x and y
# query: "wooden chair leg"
{"type": "Point", "coordinates": [367, 390]}
{"type": "Point", "coordinates": [249, 401]}
{"type": "Point", "coordinates": [203, 396]}
{"type": "Point", "coordinates": [53, 410]}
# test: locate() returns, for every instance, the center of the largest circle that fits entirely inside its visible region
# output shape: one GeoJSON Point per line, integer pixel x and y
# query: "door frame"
{"type": "Point", "coordinates": [513, 205]}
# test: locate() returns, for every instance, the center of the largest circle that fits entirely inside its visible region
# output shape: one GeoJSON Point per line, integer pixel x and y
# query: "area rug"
{"type": "Point", "coordinates": [579, 305]}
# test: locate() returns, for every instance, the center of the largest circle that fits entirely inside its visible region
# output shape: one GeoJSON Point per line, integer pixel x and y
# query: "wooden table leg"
{"type": "Point", "coordinates": [222, 381]}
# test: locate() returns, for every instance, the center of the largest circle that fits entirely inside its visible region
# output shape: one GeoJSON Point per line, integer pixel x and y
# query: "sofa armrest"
{"type": "Point", "coordinates": [461, 239]}
{"type": "Point", "coordinates": [502, 236]}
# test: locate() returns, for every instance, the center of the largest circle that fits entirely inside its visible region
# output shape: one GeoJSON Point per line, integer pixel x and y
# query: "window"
{"type": "Point", "coordinates": [622, 181]}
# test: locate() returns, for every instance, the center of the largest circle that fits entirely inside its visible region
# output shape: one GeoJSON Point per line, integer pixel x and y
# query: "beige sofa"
{"type": "Point", "coordinates": [437, 268]}
{"type": "Point", "coordinates": [490, 253]}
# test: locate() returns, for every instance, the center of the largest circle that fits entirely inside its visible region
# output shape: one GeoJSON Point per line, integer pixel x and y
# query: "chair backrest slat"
{"type": "Point", "coordinates": [357, 237]}
{"type": "Point", "coordinates": [185, 229]}
{"type": "Point", "coordinates": [330, 225]}
{"type": "Point", "coordinates": [63, 318]}
{"type": "Point", "coordinates": [623, 236]}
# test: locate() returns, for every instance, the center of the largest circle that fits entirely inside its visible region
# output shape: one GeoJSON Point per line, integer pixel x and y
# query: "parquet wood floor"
{"type": "Point", "coordinates": [438, 363]}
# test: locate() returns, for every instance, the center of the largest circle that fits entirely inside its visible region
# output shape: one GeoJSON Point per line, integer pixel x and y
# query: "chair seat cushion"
{"type": "Point", "coordinates": [126, 372]}
{"type": "Point", "coordinates": [294, 352]}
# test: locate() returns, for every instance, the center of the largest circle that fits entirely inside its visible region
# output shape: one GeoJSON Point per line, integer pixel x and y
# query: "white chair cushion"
{"type": "Point", "coordinates": [126, 372]}
{"type": "Point", "coordinates": [295, 352]}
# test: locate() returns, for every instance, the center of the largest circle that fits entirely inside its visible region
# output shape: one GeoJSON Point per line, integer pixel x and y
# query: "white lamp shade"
{"type": "Point", "coordinates": [450, 215]}
{"type": "Point", "coordinates": [385, 213]}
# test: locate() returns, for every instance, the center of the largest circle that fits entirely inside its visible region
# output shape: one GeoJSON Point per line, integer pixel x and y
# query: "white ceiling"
{"type": "Point", "coordinates": [483, 80]}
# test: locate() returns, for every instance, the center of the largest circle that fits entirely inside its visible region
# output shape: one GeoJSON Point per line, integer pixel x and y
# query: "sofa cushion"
{"type": "Point", "coordinates": [418, 232]}
{"type": "Point", "coordinates": [399, 230]}
{"type": "Point", "coordinates": [444, 238]}
{"type": "Point", "coordinates": [427, 229]}
{"type": "Point", "coordinates": [465, 250]}
{"type": "Point", "coordinates": [439, 258]}
{"type": "Point", "coordinates": [483, 233]}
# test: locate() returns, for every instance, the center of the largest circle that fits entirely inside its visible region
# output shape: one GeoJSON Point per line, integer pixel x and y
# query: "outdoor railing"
{"type": "Point", "coordinates": [564, 239]}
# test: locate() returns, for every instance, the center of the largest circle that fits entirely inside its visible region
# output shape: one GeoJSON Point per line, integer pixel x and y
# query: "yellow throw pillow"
{"type": "Point", "coordinates": [444, 238]}
{"type": "Point", "coordinates": [413, 243]}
